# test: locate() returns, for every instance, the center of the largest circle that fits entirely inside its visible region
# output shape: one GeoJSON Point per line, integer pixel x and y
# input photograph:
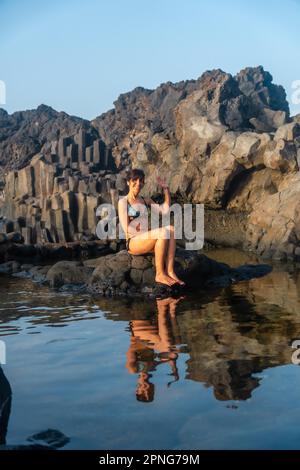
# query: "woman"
{"type": "Point", "coordinates": [133, 215]}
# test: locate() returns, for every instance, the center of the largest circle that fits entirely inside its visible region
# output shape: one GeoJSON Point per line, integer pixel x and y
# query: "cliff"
{"type": "Point", "coordinates": [222, 140]}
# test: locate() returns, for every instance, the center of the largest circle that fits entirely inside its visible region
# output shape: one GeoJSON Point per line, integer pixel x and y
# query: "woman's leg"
{"type": "Point", "coordinates": [171, 256]}
{"type": "Point", "coordinates": [155, 240]}
{"type": "Point", "coordinates": [161, 247]}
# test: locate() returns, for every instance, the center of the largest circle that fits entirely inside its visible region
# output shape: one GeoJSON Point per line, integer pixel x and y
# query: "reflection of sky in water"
{"type": "Point", "coordinates": [219, 370]}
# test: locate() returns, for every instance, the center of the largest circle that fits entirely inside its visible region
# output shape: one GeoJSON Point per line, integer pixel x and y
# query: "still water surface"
{"type": "Point", "coordinates": [211, 371]}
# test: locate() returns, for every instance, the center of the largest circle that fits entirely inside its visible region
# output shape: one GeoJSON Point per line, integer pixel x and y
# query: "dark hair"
{"type": "Point", "coordinates": [146, 395]}
{"type": "Point", "coordinates": [135, 174]}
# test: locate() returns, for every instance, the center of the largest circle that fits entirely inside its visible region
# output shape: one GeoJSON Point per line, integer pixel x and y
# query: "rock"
{"type": "Point", "coordinates": [39, 273]}
{"type": "Point", "coordinates": [249, 148]}
{"type": "Point", "coordinates": [15, 237]}
{"type": "Point", "coordinates": [222, 140]}
{"type": "Point", "coordinates": [51, 437]}
{"type": "Point", "coordinates": [281, 155]}
{"type": "Point", "coordinates": [274, 224]}
{"type": "Point", "coordinates": [141, 262]}
{"type": "Point", "coordinates": [221, 168]}
{"type": "Point", "coordinates": [252, 187]}
{"type": "Point", "coordinates": [27, 133]}
{"type": "Point", "coordinates": [3, 237]}
{"type": "Point", "coordinates": [268, 120]}
{"type": "Point", "coordinates": [135, 277]}
{"type": "Point", "coordinates": [148, 277]}
{"type": "Point", "coordinates": [9, 267]}
{"type": "Point", "coordinates": [123, 274]}
{"type": "Point", "coordinates": [288, 131]}
{"type": "Point", "coordinates": [68, 272]}
{"type": "Point", "coordinates": [27, 266]}
{"type": "Point", "coordinates": [111, 270]}
{"type": "Point", "coordinates": [256, 84]}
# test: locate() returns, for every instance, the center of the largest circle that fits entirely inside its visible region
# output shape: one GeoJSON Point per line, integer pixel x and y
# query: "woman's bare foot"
{"type": "Point", "coordinates": [164, 279]}
{"type": "Point", "coordinates": [173, 276]}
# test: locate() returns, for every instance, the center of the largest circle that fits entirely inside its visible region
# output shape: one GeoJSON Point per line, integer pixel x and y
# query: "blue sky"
{"type": "Point", "coordinates": [78, 56]}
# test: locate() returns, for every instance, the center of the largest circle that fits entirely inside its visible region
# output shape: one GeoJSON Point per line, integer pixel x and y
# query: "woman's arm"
{"type": "Point", "coordinates": [164, 207]}
{"type": "Point", "coordinates": [122, 212]}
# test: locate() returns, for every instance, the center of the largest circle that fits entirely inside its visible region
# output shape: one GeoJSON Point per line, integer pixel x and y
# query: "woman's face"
{"type": "Point", "coordinates": [135, 186]}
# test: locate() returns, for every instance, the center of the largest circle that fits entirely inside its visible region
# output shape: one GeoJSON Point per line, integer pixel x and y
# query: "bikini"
{"type": "Point", "coordinates": [132, 214]}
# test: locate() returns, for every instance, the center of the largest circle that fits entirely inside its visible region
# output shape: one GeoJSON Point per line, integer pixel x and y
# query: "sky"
{"type": "Point", "coordinates": [79, 56]}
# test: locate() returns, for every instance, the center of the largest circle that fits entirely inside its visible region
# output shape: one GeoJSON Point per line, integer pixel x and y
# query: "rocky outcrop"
{"type": "Point", "coordinates": [54, 198]}
{"type": "Point", "coordinates": [8, 242]}
{"type": "Point", "coordinates": [122, 274]}
{"type": "Point", "coordinates": [13, 248]}
{"type": "Point", "coordinates": [25, 133]}
{"type": "Point", "coordinates": [225, 141]}
{"type": "Point", "coordinates": [233, 148]}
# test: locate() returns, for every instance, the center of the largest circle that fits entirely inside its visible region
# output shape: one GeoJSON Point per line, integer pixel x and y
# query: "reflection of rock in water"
{"type": "Point", "coordinates": [234, 333]}
{"type": "Point", "coordinates": [230, 334]}
{"type": "Point", "coordinates": [5, 406]}
{"type": "Point", "coordinates": [239, 334]}
{"type": "Point", "coordinates": [235, 382]}
{"type": "Point", "coordinates": [49, 439]}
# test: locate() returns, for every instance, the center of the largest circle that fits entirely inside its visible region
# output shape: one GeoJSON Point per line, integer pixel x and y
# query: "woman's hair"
{"type": "Point", "coordinates": [135, 174]}
{"type": "Point", "coordinates": [145, 394]}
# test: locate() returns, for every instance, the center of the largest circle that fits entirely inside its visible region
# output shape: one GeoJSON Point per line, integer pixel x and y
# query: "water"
{"type": "Point", "coordinates": [211, 372]}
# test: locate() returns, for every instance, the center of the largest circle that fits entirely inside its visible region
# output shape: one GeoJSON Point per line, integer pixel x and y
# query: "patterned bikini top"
{"type": "Point", "coordinates": [132, 212]}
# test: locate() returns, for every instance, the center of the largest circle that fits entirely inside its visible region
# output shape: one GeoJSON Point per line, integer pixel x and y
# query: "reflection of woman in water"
{"type": "Point", "coordinates": [151, 345]}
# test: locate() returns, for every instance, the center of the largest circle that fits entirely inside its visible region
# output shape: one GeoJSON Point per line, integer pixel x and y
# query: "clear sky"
{"type": "Point", "coordinates": [78, 56]}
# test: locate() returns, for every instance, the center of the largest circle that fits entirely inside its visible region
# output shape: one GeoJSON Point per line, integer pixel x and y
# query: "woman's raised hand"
{"type": "Point", "coordinates": [161, 182]}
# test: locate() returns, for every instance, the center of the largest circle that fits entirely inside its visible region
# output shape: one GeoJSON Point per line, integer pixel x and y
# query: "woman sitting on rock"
{"type": "Point", "coordinates": [133, 215]}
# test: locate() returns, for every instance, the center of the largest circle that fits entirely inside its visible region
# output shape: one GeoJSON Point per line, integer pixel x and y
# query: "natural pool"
{"type": "Point", "coordinates": [209, 371]}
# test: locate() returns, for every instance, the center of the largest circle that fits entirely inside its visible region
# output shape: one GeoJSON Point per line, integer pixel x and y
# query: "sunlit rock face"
{"type": "Point", "coordinates": [225, 141]}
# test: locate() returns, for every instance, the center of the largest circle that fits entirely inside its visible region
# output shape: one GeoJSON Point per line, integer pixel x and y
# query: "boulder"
{"type": "Point", "coordinates": [281, 155]}
{"type": "Point", "coordinates": [288, 131]}
{"type": "Point", "coordinates": [10, 267]}
{"type": "Point", "coordinates": [68, 272]}
{"type": "Point", "coordinates": [124, 274]}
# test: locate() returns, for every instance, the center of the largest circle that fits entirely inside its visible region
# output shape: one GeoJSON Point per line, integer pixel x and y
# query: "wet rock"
{"type": "Point", "coordinates": [9, 267]}
{"type": "Point", "coordinates": [68, 272]}
{"type": "Point", "coordinates": [3, 238]}
{"type": "Point", "coordinates": [133, 276]}
{"type": "Point", "coordinates": [35, 273]}
{"type": "Point", "coordinates": [122, 274]}
{"type": "Point", "coordinates": [27, 266]}
{"type": "Point", "coordinates": [242, 273]}
{"type": "Point", "coordinates": [51, 439]}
